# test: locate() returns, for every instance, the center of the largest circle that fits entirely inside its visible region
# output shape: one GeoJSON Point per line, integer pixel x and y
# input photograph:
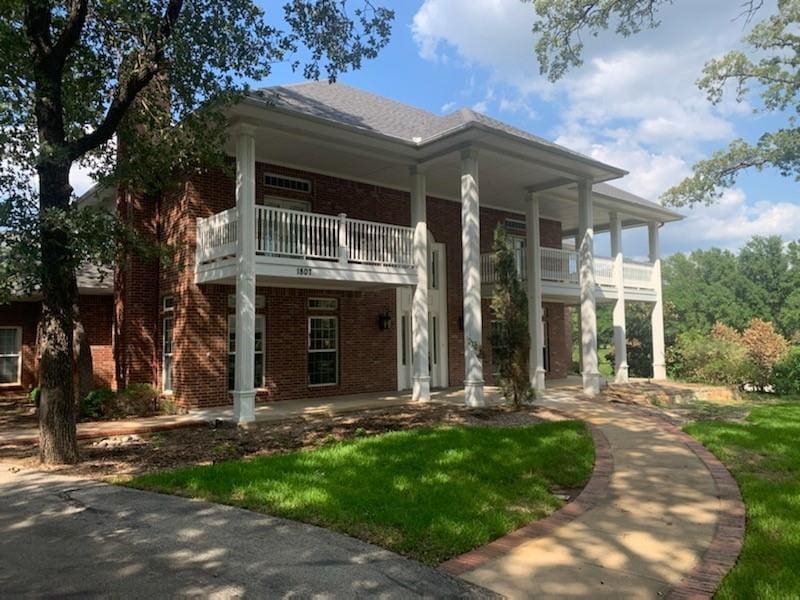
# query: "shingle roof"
{"type": "Point", "coordinates": [358, 108]}
{"type": "Point", "coordinates": [613, 191]}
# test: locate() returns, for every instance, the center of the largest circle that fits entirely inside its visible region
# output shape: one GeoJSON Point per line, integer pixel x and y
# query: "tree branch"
{"type": "Point", "coordinates": [72, 32]}
{"type": "Point", "coordinates": [127, 90]}
{"type": "Point", "coordinates": [37, 28]}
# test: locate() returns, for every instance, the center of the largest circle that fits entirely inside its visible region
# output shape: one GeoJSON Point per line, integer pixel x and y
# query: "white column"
{"type": "Point", "coordinates": [419, 308]}
{"type": "Point", "coordinates": [657, 316]}
{"type": "Point", "coordinates": [244, 393]}
{"type": "Point", "coordinates": [591, 374]}
{"type": "Point", "coordinates": [471, 271]}
{"type": "Point", "coordinates": [620, 339]}
{"type": "Point", "coordinates": [533, 275]}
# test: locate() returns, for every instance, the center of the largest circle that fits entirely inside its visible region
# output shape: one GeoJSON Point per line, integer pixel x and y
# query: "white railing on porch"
{"type": "Point", "coordinates": [563, 266]}
{"type": "Point", "coordinates": [216, 236]}
{"type": "Point", "coordinates": [286, 233]}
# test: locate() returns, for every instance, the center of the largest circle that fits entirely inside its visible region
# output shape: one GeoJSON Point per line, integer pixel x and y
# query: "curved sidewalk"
{"type": "Point", "coordinates": [669, 524]}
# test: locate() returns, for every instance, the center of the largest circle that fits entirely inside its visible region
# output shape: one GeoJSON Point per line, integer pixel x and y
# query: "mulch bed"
{"type": "Point", "coordinates": [133, 454]}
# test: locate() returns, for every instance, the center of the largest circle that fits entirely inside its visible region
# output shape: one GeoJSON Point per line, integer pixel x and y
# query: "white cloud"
{"type": "Point", "coordinates": [731, 222]}
{"type": "Point", "coordinates": [79, 179]}
{"type": "Point", "coordinates": [641, 88]}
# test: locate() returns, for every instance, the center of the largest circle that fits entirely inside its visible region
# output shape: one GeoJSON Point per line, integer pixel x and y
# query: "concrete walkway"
{"type": "Point", "coordinates": [644, 538]}
{"type": "Point", "coordinates": [65, 537]}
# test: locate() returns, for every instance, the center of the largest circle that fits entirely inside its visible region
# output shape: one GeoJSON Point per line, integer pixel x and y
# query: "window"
{"type": "Point", "coordinates": [10, 358]}
{"type": "Point", "coordinates": [515, 226]}
{"type": "Point", "coordinates": [258, 371]}
{"type": "Point", "coordinates": [404, 340]}
{"type": "Point", "coordinates": [284, 182]}
{"type": "Point", "coordinates": [323, 303]}
{"type": "Point", "coordinates": [168, 304]}
{"type": "Point", "coordinates": [301, 205]}
{"type": "Point", "coordinates": [433, 279]}
{"type": "Point", "coordinates": [323, 344]}
{"type": "Point", "coordinates": [166, 347]}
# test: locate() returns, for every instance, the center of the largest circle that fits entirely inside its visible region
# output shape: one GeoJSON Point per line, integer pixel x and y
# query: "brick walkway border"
{"type": "Point", "coordinates": [720, 557]}
{"type": "Point", "coordinates": [590, 496]}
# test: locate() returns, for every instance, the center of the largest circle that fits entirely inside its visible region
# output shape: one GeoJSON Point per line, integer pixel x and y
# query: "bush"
{"type": "Point", "coordinates": [96, 403]}
{"type": "Point", "coordinates": [786, 374]}
{"type": "Point", "coordinates": [35, 396]}
{"type": "Point", "coordinates": [138, 399]}
{"type": "Point", "coordinates": [766, 347]}
{"type": "Point", "coordinates": [710, 359]}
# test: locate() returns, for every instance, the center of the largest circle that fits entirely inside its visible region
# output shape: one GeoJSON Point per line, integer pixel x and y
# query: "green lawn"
{"type": "Point", "coordinates": [429, 494]}
{"type": "Point", "coordinates": [763, 454]}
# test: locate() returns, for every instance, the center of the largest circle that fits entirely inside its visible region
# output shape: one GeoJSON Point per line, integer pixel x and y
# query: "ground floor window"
{"type": "Point", "coordinates": [258, 371]}
{"type": "Point", "coordinates": [323, 351]}
{"type": "Point", "coordinates": [166, 376]}
{"type": "Point", "coordinates": [10, 357]}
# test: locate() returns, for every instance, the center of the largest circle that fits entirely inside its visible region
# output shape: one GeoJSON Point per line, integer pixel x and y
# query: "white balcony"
{"type": "Point", "coordinates": [292, 246]}
{"type": "Point", "coordinates": [561, 276]}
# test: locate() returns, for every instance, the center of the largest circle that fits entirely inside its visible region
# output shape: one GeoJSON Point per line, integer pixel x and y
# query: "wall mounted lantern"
{"type": "Point", "coordinates": [384, 321]}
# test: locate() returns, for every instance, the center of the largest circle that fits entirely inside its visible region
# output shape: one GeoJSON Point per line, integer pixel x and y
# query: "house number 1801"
{"type": "Point", "coordinates": [304, 271]}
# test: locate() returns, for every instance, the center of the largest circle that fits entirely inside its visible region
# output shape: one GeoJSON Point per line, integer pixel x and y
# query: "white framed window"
{"type": "Point", "coordinates": [168, 304]}
{"type": "Point", "coordinates": [323, 351]}
{"type": "Point", "coordinates": [258, 371]}
{"type": "Point", "coordinates": [10, 355]}
{"type": "Point", "coordinates": [168, 328]}
{"type": "Point", "coordinates": [284, 182]}
{"type": "Point", "coordinates": [433, 273]}
{"type": "Point", "coordinates": [323, 303]}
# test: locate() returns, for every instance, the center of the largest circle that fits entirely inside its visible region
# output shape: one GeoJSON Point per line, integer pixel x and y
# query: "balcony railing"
{"type": "Point", "coordinates": [293, 234]}
{"type": "Point", "coordinates": [563, 266]}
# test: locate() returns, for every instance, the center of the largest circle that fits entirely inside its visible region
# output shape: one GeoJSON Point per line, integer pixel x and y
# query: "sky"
{"type": "Point", "coordinates": [633, 103]}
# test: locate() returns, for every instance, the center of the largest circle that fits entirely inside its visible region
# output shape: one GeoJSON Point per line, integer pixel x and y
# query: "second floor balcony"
{"type": "Point", "coordinates": [560, 273]}
{"type": "Point", "coordinates": [292, 245]}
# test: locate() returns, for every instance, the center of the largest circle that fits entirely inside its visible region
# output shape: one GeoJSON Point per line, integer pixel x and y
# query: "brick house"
{"type": "Point", "coordinates": [347, 251]}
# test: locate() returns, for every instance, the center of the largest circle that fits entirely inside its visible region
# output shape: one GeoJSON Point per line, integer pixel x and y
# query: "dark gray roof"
{"type": "Point", "coordinates": [613, 191]}
{"type": "Point", "coordinates": [358, 108]}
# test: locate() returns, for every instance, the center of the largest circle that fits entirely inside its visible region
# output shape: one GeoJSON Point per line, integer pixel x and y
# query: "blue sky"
{"type": "Point", "coordinates": [633, 103]}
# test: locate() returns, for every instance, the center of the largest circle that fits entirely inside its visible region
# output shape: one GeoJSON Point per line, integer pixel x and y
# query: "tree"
{"type": "Point", "coordinates": [770, 64]}
{"type": "Point", "coordinates": [80, 74]}
{"type": "Point", "coordinates": [510, 338]}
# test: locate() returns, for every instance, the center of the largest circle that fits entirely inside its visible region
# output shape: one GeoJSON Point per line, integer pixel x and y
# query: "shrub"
{"type": "Point", "coordinates": [786, 373]}
{"type": "Point", "coordinates": [35, 396]}
{"type": "Point", "coordinates": [766, 347]}
{"type": "Point", "coordinates": [138, 399]}
{"type": "Point", "coordinates": [710, 359]}
{"type": "Point", "coordinates": [95, 404]}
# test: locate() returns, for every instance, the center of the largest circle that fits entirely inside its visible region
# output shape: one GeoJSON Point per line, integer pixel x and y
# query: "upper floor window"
{"type": "Point", "coordinates": [323, 303]}
{"type": "Point", "coordinates": [285, 182]}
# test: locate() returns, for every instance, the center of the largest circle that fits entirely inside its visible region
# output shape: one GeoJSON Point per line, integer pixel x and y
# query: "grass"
{"type": "Point", "coordinates": [763, 453]}
{"type": "Point", "coordinates": [429, 494]}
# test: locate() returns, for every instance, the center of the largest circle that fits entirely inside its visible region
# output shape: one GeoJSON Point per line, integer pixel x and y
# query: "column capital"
{"type": "Point", "coordinates": [416, 169]}
{"type": "Point", "coordinates": [469, 152]}
{"type": "Point", "coordinates": [242, 128]}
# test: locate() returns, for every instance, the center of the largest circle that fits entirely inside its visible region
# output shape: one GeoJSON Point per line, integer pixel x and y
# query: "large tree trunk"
{"type": "Point", "coordinates": [84, 367]}
{"type": "Point", "coordinates": [57, 435]}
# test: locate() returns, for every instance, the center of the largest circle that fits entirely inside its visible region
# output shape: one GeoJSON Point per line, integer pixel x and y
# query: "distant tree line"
{"type": "Point", "coordinates": [707, 287]}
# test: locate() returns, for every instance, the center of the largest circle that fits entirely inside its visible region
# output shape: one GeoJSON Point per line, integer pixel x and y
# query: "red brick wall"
{"type": "Point", "coordinates": [367, 355]}
{"type": "Point", "coordinates": [136, 297]}
{"type": "Point", "coordinates": [97, 317]}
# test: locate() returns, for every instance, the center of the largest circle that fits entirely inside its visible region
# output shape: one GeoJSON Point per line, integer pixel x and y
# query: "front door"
{"type": "Point", "coordinates": [437, 323]}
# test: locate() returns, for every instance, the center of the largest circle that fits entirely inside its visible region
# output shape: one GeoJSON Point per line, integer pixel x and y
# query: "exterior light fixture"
{"type": "Point", "coordinates": [384, 321]}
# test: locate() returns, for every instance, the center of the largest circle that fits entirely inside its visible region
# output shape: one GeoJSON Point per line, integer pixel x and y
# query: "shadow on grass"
{"type": "Point", "coordinates": [763, 454]}
{"type": "Point", "coordinates": [429, 494]}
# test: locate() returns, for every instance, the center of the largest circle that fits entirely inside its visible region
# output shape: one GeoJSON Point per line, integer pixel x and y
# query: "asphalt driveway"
{"type": "Point", "coordinates": [62, 536]}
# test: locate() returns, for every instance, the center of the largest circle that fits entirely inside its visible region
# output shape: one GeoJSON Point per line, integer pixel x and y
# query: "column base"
{"type": "Point", "coordinates": [591, 384]}
{"type": "Point", "coordinates": [621, 375]}
{"type": "Point", "coordinates": [244, 406]}
{"type": "Point", "coordinates": [537, 382]}
{"type": "Point", "coordinates": [422, 389]}
{"type": "Point", "coordinates": [659, 372]}
{"type": "Point", "coordinates": [473, 394]}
